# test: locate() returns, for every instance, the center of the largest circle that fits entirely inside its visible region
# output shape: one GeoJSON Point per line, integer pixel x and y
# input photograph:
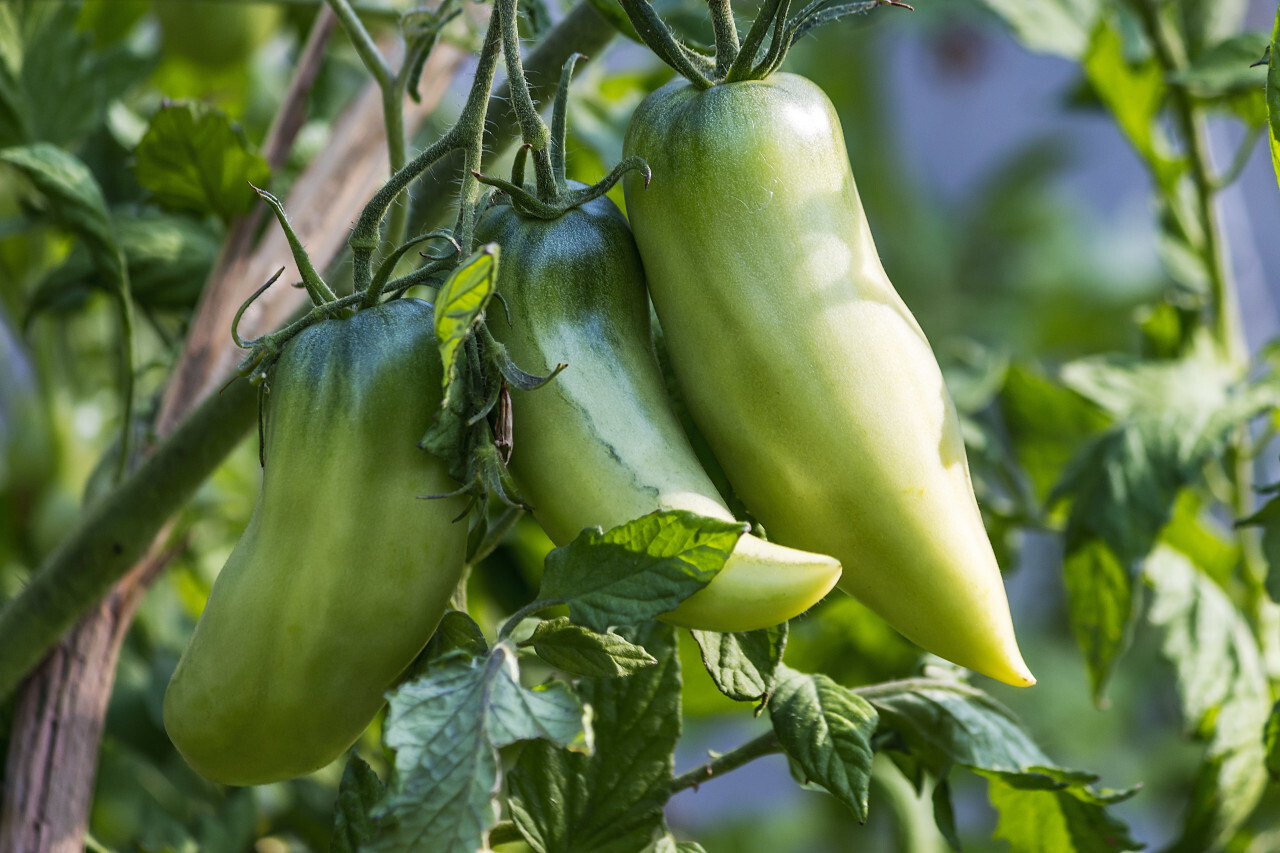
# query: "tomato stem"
{"type": "Point", "coordinates": [726, 35]}
{"type": "Point", "coordinates": [532, 128]}
{"type": "Point", "coordinates": [560, 123]}
{"type": "Point", "coordinates": [658, 38]}
{"type": "Point", "coordinates": [765, 744]}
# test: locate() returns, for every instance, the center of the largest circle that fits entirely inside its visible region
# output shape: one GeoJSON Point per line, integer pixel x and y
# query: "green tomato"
{"type": "Point", "coordinates": [215, 33]}
{"type": "Point", "coordinates": [343, 571]}
{"type": "Point", "coordinates": [600, 444]}
{"type": "Point", "coordinates": [809, 377]}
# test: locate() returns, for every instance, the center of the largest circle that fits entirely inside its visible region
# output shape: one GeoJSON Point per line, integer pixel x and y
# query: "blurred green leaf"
{"type": "Point", "coordinates": [826, 729]}
{"type": "Point", "coordinates": [446, 728]}
{"type": "Point", "coordinates": [75, 203]}
{"type": "Point", "coordinates": [1100, 604]}
{"type": "Point", "coordinates": [637, 570]}
{"type": "Point", "coordinates": [1204, 23]}
{"type": "Point", "coordinates": [668, 844]}
{"type": "Point", "coordinates": [54, 86]}
{"type": "Point", "coordinates": [1273, 96]}
{"type": "Point", "coordinates": [1047, 424]}
{"type": "Point", "coordinates": [1271, 738]}
{"type": "Point", "coordinates": [1268, 518]}
{"type": "Point", "coordinates": [1225, 695]}
{"type": "Point", "coordinates": [1195, 532]}
{"type": "Point", "coordinates": [1226, 67]}
{"type": "Point", "coordinates": [743, 666]}
{"type": "Point", "coordinates": [611, 801]}
{"type": "Point", "coordinates": [358, 794]}
{"type": "Point", "coordinates": [192, 158]}
{"type": "Point", "coordinates": [1134, 95]}
{"type": "Point", "coordinates": [168, 258]}
{"type": "Point", "coordinates": [581, 651]}
{"type": "Point", "coordinates": [941, 723]}
{"type": "Point", "coordinates": [1056, 812]}
{"type": "Point", "coordinates": [1060, 27]}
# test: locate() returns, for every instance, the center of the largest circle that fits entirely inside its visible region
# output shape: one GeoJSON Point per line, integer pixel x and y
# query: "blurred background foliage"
{"type": "Point", "coordinates": [1009, 210]}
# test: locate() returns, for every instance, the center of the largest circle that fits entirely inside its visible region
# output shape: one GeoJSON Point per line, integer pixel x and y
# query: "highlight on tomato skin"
{"type": "Point", "coordinates": [855, 451]}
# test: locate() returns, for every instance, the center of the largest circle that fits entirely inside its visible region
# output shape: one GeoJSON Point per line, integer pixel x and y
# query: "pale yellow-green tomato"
{"type": "Point", "coordinates": [800, 364]}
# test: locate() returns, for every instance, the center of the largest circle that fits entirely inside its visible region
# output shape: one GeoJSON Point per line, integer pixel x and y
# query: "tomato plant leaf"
{"type": "Point", "coordinates": [460, 304]}
{"type": "Point", "coordinates": [1224, 691]}
{"type": "Point", "coordinates": [1268, 518]}
{"type": "Point", "coordinates": [457, 632]}
{"type": "Point", "coordinates": [826, 729]}
{"type": "Point", "coordinates": [1172, 416]}
{"type": "Point", "coordinates": [1134, 95]}
{"type": "Point", "coordinates": [639, 569]}
{"type": "Point", "coordinates": [1100, 603]}
{"type": "Point", "coordinates": [1271, 738]}
{"type": "Point", "coordinates": [612, 800]}
{"type": "Point", "coordinates": [43, 51]}
{"type": "Point", "coordinates": [1059, 27]}
{"type": "Point", "coordinates": [168, 259]}
{"type": "Point", "coordinates": [1047, 423]}
{"type": "Point", "coordinates": [358, 794]}
{"type": "Point", "coordinates": [1273, 97]}
{"type": "Point", "coordinates": [668, 844]}
{"type": "Point", "coordinates": [446, 728]}
{"type": "Point", "coordinates": [743, 666]}
{"type": "Point", "coordinates": [1050, 810]}
{"type": "Point", "coordinates": [75, 202]}
{"type": "Point", "coordinates": [947, 722]}
{"type": "Point", "coordinates": [193, 158]}
{"type": "Point", "coordinates": [1226, 68]}
{"type": "Point", "coordinates": [1205, 23]}
{"type": "Point", "coordinates": [581, 651]}
{"type": "Point", "coordinates": [944, 815]}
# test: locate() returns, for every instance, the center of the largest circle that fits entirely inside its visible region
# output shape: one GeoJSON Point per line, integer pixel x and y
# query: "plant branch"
{"type": "Point", "coordinates": [1228, 326]}
{"type": "Point", "coordinates": [365, 48]}
{"type": "Point", "coordinates": [765, 744]}
{"type": "Point", "coordinates": [726, 36]}
{"type": "Point", "coordinates": [533, 130]}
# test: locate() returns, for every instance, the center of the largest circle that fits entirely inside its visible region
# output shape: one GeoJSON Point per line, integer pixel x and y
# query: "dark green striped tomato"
{"type": "Point", "coordinates": [808, 376]}
{"type": "Point", "coordinates": [343, 572]}
{"type": "Point", "coordinates": [600, 444]}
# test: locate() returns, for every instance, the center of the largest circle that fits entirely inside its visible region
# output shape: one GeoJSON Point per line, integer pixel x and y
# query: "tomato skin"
{"type": "Point", "coordinates": [810, 379]}
{"type": "Point", "coordinates": [600, 444]}
{"type": "Point", "coordinates": [342, 573]}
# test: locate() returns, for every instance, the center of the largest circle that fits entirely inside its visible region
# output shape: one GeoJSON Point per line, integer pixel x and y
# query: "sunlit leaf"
{"type": "Point", "coordinates": [637, 570]}
{"type": "Point", "coordinates": [826, 729]}
{"type": "Point", "coordinates": [612, 800]}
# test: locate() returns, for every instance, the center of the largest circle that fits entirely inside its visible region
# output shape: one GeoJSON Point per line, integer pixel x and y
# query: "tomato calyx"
{"type": "Point", "coordinates": [552, 196]}
{"type": "Point", "coordinates": [736, 61]}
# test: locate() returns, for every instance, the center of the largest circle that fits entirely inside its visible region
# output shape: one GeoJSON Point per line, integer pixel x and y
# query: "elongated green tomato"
{"type": "Point", "coordinates": [809, 377]}
{"type": "Point", "coordinates": [600, 444]}
{"type": "Point", "coordinates": [342, 573]}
